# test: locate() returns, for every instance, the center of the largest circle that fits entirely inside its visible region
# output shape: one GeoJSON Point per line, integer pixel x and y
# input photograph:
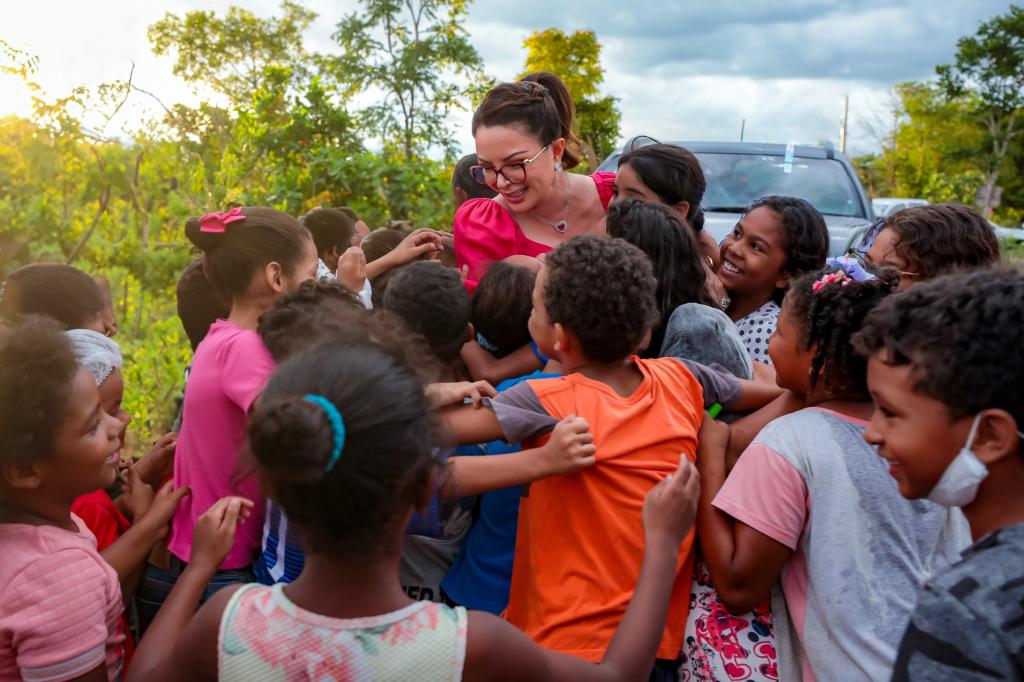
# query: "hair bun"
{"type": "Point", "coordinates": [204, 241]}
{"type": "Point", "coordinates": [298, 427]}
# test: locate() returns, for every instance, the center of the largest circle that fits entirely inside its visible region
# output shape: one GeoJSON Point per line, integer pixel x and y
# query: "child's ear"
{"type": "Point", "coordinates": [561, 338]}
{"type": "Point", "coordinates": [997, 436]}
{"type": "Point", "coordinates": [682, 208]}
{"type": "Point", "coordinates": [782, 282]}
{"type": "Point", "coordinates": [274, 276]}
{"type": "Point", "coordinates": [22, 477]}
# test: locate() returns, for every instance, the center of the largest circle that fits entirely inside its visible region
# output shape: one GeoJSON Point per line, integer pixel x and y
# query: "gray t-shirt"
{"type": "Point", "coordinates": [523, 416]}
{"type": "Point", "coordinates": [861, 550]}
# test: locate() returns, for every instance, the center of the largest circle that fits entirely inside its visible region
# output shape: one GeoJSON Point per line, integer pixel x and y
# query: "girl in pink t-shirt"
{"type": "Point", "coordinates": [60, 603]}
{"type": "Point", "coordinates": [251, 257]}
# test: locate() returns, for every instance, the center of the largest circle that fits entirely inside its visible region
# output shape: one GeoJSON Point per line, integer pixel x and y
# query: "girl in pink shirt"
{"type": "Point", "coordinates": [251, 256]}
{"type": "Point", "coordinates": [60, 603]}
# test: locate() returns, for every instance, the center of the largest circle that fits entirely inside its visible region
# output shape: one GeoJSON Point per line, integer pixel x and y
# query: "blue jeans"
{"type": "Point", "coordinates": [156, 584]}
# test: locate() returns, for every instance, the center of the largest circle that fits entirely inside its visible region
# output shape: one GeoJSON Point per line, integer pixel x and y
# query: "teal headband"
{"type": "Point", "coordinates": [337, 426]}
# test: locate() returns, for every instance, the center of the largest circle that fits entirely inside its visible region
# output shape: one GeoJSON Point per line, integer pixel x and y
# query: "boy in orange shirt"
{"type": "Point", "coordinates": [580, 540]}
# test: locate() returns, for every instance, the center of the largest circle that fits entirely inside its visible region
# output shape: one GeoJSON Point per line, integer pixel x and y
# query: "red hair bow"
{"type": "Point", "coordinates": [218, 221]}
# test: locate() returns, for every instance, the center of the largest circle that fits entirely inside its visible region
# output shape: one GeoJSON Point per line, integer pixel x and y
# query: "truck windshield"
{"type": "Point", "coordinates": [735, 180]}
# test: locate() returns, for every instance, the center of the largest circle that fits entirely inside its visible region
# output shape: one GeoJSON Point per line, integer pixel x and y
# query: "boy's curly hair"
{"type": "Point", "coordinates": [829, 318]}
{"type": "Point", "coordinates": [37, 368]}
{"type": "Point", "coordinates": [939, 238]}
{"type": "Point", "coordinates": [298, 317]}
{"type": "Point", "coordinates": [957, 333]}
{"type": "Point", "coordinates": [602, 290]}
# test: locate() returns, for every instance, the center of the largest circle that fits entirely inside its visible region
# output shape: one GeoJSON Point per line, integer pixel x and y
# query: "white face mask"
{"type": "Point", "coordinates": [959, 483]}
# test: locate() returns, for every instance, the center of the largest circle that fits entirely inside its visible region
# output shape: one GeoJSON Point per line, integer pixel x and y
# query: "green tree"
{"type": "Point", "coordinates": [576, 58]}
{"type": "Point", "coordinates": [417, 55]}
{"type": "Point", "coordinates": [989, 69]}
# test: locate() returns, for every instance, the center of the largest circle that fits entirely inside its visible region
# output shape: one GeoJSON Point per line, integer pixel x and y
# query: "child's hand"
{"type": "Point", "coordinates": [712, 441]}
{"type": "Point", "coordinates": [137, 495]}
{"type": "Point", "coordinates": [158, 462]}
{"type": "Point", "coordinates": [352, 269]}
{"type": "Point", "coordinates": [362, 232]}
{"type": "Point", "coordinates": [456, 393]}
{"type": "Point", "coordinates": [670, 508]}
{"type": "Point", "coordinates": [420, 242]}
{"type": "Point", "coordinates": [571, 446]}
{"type": "Point", "coordinates": [763, 373]}
{"type": "Point", "coordinates": [214, 533]}
{"type": "Point", "coordinates": [164, 505]}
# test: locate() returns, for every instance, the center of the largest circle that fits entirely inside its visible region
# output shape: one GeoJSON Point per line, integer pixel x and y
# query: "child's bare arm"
{"type": "Point", "coordinates": [743, 431]}
{"type": "Point", "coordinates": [570, 448]}
{"type": "Point", "coordinates": [497, 650]}
{"type": "Point", "coordinates": [126, 554]}
{"type": "Point", "coordinates": [743, 562]}
{"type": "Point", "coordinates": [484, 366]}
{"type": "Point", "coordinates": [755, 395]}
{"type": "Point", "coordinates": [468, 424]}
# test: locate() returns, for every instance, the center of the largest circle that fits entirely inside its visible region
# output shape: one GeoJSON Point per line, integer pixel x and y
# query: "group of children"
{"type": "Point", "coordinates": [645, 456]}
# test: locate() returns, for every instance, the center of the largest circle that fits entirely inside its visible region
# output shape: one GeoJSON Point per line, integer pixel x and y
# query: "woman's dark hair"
{"type": "Point", "coordinates": [672, 248]}
{"type": "Point", "coordinates": [829, 318]}
{"type": "Point", "coordinates": [233, 256]}
{"type": "Point", "coordinates": [61, 292]}
{"type": "Point", "coordinates": [674, 174]}
{"type": "Point", "coordinates": [539, 103]}
{"type": "Point", "coordinates": [297, 319]}
{"type": "Point", "coordinates": [953, 333]}
{"type": "Point", "coordinates": [501, 307]}
{"type": "Point", "coordinates": [199, 305]}
{"type": "Point", "coordinates": [433, 302]}
{"type": "Point", "coordinates": [37, 368]}
{"type": "Point", "coordinates": [603, 291]}
{"type": "Point", "coordinates": [939, 238]}
{"type": "Point", "coordinates": [329, 227]}
{"type": "Point", "coordinates": [804, 231]}
{"type": "Point", "coordinates": [356, 509]}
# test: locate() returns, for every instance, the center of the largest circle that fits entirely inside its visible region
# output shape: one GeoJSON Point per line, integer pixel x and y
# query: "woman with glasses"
{"type": "Point", "coordinates": [525, 145]}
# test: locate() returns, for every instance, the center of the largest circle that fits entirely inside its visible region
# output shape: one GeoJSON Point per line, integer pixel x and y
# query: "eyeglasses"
{"type": "Point", "coordinates": [876, 269]}
{"type": "Point", "coordinates": [512, 172]}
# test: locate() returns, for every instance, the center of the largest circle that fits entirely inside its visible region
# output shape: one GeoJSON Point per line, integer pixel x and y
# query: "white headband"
{"type": "Point", "coordinates": [97, 354]}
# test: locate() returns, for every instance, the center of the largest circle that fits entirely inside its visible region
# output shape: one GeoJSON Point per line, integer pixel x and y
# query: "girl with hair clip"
{"type": "Point", "coordinates": [251, 257]}
{"type": "Point", "coordinates": [525, 144]}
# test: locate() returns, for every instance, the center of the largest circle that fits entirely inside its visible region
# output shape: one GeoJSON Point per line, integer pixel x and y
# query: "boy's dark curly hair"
{"type": "Point", "coordinates": [433, 302]}
{"type": "Point", "coordinates": [957, 334]}
{"type": "Point", "coordinates": [297, 318]}
{"type": "Point", "coordinates": [58, 291]}
{"type": "Point", "coordinates": [329, 227]}
{"type": "Point", "coordinates": [501, 306]}
{"type": "Point", "coordinates": [603, 291]}
{"type": "Point", "coordinates": [387, 460]}
{"type": "Point", "coordinates": [804, 231]}
{"type": "Point", "coordinates": [37, 368]}
{"type": "Point", "coordinates": [830, 317]}
{"type": "Point", "coordinates": [939, 238]}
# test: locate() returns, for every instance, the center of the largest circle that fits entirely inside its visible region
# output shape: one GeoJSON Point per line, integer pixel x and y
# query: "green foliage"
{"type": "Point", "coordinates": [419, 57]}
{"type": "Point", "coordinates": [576, 58]}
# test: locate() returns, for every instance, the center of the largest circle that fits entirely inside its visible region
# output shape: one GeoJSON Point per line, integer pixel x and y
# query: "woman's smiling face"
{"type": "Point", "coordinates": [497, 146]}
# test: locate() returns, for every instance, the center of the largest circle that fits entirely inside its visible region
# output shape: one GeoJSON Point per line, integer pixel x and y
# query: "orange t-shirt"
{"type": "Point", "coordinates": [580, 540]}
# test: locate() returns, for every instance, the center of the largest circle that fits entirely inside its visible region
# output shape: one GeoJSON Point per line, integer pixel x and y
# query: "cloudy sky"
{"type": "Point", "coordinates": [688, 70]}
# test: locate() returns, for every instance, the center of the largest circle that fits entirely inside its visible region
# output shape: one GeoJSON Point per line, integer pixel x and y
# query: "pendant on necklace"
{"type": "Point", "coordinates": [561, 226]}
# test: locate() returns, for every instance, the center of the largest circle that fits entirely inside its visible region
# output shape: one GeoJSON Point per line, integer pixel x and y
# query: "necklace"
{"type": "Point", "coordinates": [562, 225]}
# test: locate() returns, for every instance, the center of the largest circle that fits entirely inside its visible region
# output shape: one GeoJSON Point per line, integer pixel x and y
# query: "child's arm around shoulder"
{"type": "Point", "coordinates": [735, 395]}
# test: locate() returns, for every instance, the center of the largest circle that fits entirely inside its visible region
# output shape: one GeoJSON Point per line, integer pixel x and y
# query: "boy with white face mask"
{"type": "Point", "coordinates": [949, 415]}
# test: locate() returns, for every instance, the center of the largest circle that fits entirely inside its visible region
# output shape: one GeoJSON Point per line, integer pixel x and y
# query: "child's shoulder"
{"type": "Point", "coordinates": [993, 565]}
{"type": "Point", "coordinates": [810, 429]}
{"type": "Point", "coordinates": [45, 556]}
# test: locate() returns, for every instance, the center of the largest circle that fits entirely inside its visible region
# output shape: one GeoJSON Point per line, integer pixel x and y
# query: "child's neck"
{"type": "Point", "coordinates": [349, 588]}
{"type": "Point", "coordinates": [623, 376]}
{"type": "Point", "coordinates": [857, 407]}
{"type": "Point", "coordinates": [36, 510]}
{"type": "Point", "coordinates": [741, 305]}
{"type": "Point", "coordinates": [999, 503]}
{"type": "Point", "coordinates": [246, 311]}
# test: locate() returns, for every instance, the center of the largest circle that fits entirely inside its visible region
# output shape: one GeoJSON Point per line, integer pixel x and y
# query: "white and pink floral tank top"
{"type": "Point", "coordinates": [265, 637]}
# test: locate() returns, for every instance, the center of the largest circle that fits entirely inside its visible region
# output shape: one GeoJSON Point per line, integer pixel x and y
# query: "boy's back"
{"type": "Point", "coordinates": [580, 541]}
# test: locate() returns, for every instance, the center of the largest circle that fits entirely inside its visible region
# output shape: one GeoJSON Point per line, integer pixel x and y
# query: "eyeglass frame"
{"type": "Point", "coordinates": [501, 169]}
{"type": "Point", "coordinates": [873, 268]}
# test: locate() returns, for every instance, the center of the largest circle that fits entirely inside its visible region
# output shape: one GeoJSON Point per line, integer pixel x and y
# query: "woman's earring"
{"type": "Point", "coordinates": [558, 166]}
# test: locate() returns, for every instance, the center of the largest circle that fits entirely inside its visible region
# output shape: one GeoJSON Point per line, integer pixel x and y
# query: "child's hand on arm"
{"type": "Point", "coordinates": [418, 243]}
{"type": "Point", "coordinates": [455, 393]}
{"type": "Point", "coordinates": [163, 647]}
{"type": "Point", "coordinates": [136, 496]}
{"type": "Point", "coordinates": [569, 449]}
{"type": "Point", "coordinates": [158, 462]}
{"type": "Point", "coordinates": [129, 551]}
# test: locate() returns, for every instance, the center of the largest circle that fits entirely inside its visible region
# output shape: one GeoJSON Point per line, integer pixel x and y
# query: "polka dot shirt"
{"type": "Point", "coordinates": [756, 328]}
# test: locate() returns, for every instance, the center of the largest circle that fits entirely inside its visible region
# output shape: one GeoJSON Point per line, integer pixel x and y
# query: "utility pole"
{"type": "Point", "coordinates": [743, 127]}
{"type": "Point", "coordinates": [842, 129]}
